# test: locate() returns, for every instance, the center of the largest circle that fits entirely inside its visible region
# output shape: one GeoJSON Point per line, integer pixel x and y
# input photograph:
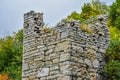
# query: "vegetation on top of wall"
{"type": "Point", "coordinates": [87, 29]}
{"type": "Point", "coordinates": [47, 30]}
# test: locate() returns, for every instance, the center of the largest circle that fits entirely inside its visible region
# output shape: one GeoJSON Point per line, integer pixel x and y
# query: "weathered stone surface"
{"type": "Point", "coordinates": [32, 77]}
{"type": "Point", "coordinates": [56, 60]}
{"type": "Point", "coordinates": [65, 52]}
{"type": "Point", "coordinates": [102, 50]}
{"type": "Point", "coordinates": [55, 67]}
{"type": "Point", "coordinates": [25, 78]}
{"type": "Point", "coordinates": [25, 66]}
{"type": "Point", "coordinates": [65, 78]}
{"type": "Point", "coordinates": [64, 57]}
{"type": "Point", "coordinates": [96, 63]}
{"type": "Point", "coordinates": [88, 62]}
{"type": "Point", "coordinates": [54, 72]}
{"type": "Point", "coordinates": [43, 72]}
{"type": "Point", "coordinates": [62, 46]}
{"type": "Point", "coordinates": [35, 79]}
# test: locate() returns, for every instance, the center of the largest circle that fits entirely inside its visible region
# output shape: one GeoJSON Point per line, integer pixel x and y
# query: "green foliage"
{"type": "Point", "coordinates": [86, 11]}
{"type": "Point", "coordinates": [112, 69]}
{"type": "Point", "coordinates": [113, 50]}
{"type": "Point", "coordinates": [114, 32]}
{"type": "Point", "coordinates": [101, 7]}
{"type": "Point", "coordinates": [114, 14]}
{"type": "Point", "coordinates": [74, 15]}
{"type": "Point", "coordinates": [11, 55]}
{"type": "Point", "coordinates": [90, 10]}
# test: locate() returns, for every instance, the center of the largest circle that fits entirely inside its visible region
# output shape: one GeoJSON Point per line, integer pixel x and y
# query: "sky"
{"type": "Point", "coordinates": [11, 12]}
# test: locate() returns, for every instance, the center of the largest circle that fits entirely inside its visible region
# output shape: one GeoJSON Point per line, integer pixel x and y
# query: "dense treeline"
{"type": "Point", "coordinates": [11, 46]}
{"type": "Point", "coordinates": [90, 10]}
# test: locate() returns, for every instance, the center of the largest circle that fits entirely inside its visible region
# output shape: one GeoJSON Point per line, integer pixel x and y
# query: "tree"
{"type": "Point", "coordinates": [86, 11]}
{"type": "Point", "coordinates": [11, 49]}
{"type": "Point", "coordinates": [114, 14]}
{"type": "Point", "coordinates": [90, 10]}
{"type": "Point", "coordinates": [101, 6]}
{"type": "Point", "coordinates": [74, 15]}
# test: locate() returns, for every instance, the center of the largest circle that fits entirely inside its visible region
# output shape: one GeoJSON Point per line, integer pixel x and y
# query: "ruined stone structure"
{"type": "Point", "coordinates": [71, 51]}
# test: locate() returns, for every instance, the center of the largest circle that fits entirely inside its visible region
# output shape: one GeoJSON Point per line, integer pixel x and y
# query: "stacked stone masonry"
{"type": "Point", "coordinates": [67, 53]}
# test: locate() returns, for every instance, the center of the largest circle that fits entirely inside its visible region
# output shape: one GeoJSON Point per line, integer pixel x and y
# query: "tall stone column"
{"type": "Point", "coordinates": [33, 29]}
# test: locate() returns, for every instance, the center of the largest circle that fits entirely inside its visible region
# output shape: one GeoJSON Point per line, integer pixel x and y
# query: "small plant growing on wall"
{"type": "Point", "coordinates": [86, 28]}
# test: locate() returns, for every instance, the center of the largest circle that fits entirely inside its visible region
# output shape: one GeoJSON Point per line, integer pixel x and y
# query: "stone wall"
{"type": "Point", "coordinates": [69, 52]}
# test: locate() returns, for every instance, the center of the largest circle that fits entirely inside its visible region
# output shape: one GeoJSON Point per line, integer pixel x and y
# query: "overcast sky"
{"type": "Point", "coordinates": [11, 12]}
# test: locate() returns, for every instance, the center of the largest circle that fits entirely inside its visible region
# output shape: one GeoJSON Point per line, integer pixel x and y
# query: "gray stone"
{"type": "Point", "coordinates": [62, 46]}
{"type": "Point", "coordinates": [88, 62]}
{"type": "Point", "coordinates": [68, 51]}
{"type": "Point", "coordinates": [25, 66]}
{"type": "Point", "coordinates": [25, 79]}
{"type": "Point", "coordinates": [101, 50]}
{"type": "Point", "coordinates": [65, 78]}
{"type": "Point", "coordinates": [96, 63]}
{"type": "Point", "coordinates": [43, 72]}
{"type": "Point", "coordinates": [56, 60]}
{"type": "Point", "coordinates": [64, 57]}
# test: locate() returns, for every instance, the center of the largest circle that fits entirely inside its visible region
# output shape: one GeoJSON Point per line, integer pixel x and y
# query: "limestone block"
{"type": "Point", "coordinates": [64, 67]}
{"type": "Point", "coordinates": [93, 47]}
{"type": "Point", "coordinates": [96, 63]}
{"type": "Point", "coordinates": [33, 65]}
{"type": "Point", "coordinates": [54, 55]}
{"type": "Point", "coordinates": [54, 72]}
{"type": "Point", "coordinates": [50, 50]}
{"type": "Point", "coordinates": [79, 79]}
{"type": "Point", "coordinates": [64, 57]}
{"type": "Point", "coordinates": [102, 50]}
{"type": "Point", "coordinates": [65, 78]}
{"type": "Point", "coordinates": [32, 77]}
{"type": "Point", "coordinates": [42, 47]}
{"type": "Point", "coordinates": [25, 66]}
{"type": "Point", "coordinates": [53, 77]}
{"type": "Point", "coordinates": [51, 46]}
{"type": "Point", "coordinates": [75, 59]}
{"type": "Point", "coordinates": [67, 72]}
{"type": "Point", "coordinates": [48, 63]}
{"type": "Point", "coordinates": [55, 60]}
{"type": "Point", "coordinates": [80, 60]}
{"type": "Point", "coordinates": [62, 46]}
{"type": "Point", "coordinates": [88, 62]}
{"type": "Point", "coordinates": [35, 79]}
{"type": "Point", "coordinates": [91, 54]}
{"type": "Point", "coordinates": [64, 34]}
{"type": "Point", "coordinates": [25, 78]}
{"type": "Point", "coordinates": [44, 72]}
{"type": "Point", "coordinates": [43, 78]}
{"type": "Point", "coordinates": [55, 67]}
